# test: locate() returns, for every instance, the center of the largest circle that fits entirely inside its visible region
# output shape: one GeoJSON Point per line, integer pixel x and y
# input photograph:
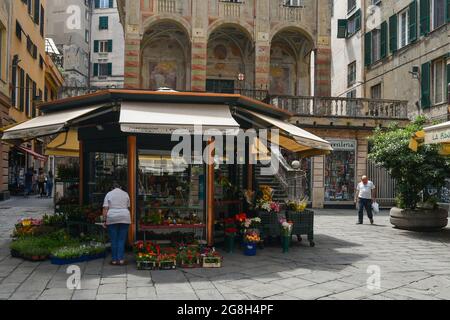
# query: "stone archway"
{"type": "Point", "coordinates": [166, 56]}
{"type": "Point", "coordinates": [230, 52]}
{"type": "Point", "coordinates": [290, 63]}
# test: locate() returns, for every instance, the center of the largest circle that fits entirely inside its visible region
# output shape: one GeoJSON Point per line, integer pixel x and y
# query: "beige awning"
{"type": "Point", "coordinates": [65, 144]}
{"type": "Point", "coordinates": [47, 124]}
{"type": "Point", "coordinates": [294, 138]}
{"type": "Point", "coordinates": [165, 118]}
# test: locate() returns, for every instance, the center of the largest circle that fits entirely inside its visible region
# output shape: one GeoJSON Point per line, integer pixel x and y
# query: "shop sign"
{"type": "Point", "coordinates": [343, 145]}
{"type": "Point", "coordinates": [438, 136]}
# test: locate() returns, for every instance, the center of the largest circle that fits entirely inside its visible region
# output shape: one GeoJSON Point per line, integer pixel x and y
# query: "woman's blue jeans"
{"type": "Point", "coordinates": [118, 235]}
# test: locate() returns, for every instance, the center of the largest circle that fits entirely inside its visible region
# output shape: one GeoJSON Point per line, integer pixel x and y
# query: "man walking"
{"type": "Point", "coordinates": [365, 194]}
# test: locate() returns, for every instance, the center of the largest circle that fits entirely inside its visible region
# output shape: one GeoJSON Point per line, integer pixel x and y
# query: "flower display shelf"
{"type": "Point", "coordinates": [212, 262]}
{"type": "Point", "coordinates": [303, 224]}
{"type": "Point", "coordinates": [270, 224]}
{"type": "Point", "coordinates": [61, 262]}
{"type": "Point", "coordinates": [171, 226]}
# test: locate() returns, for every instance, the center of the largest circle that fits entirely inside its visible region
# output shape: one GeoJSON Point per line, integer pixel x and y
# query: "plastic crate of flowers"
{"type": "Point", "coordinates": [211, 258]}
{"type": "Point", "coordinates": [189, 258]}
{"type": "Point", "coordinates": [146, 261]}
{"type": "Point", "coordinates": [167, 261]}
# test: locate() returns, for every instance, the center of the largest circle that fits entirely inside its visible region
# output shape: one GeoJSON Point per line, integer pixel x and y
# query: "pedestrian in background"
{"type": "Point", "coordinates": [49, 185]}
{"type": "Point", "coordinates": [117, 216]}
{"type": "Point", "coordinates": [28, 181]}
{"type": "Point", "coordinates": [41, 182]}
{"type": "Point", "coordinates": [365, 197]}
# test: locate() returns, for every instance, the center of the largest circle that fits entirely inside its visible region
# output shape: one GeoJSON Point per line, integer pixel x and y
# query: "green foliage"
{"type": "Point", "coordinates": [413, 171]}
{"type": "Point", "coordinates": [77, 251]}
{"type": "Point", "coordinates": [40, 245]}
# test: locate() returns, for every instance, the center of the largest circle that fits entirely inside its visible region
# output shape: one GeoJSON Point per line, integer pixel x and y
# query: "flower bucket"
{"type": "Point", "coordinates": [250, 249]}
{"type": "Point", "coordinates": [285, 243]}
{"type": "Point", "coordinates": [229, 244]}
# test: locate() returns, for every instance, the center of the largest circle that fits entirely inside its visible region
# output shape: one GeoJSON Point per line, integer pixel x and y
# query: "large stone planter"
{"type": "Point", "coordinates": [419, 219]}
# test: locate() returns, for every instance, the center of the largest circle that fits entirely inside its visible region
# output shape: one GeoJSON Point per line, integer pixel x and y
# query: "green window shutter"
{"type": "Point", "coordinates": [109, 69]}
{"type": "Point", "coordinates": [110, 45]}
{"type": "Point", "coordinates": [96, 45]}
{"type": "Point", "coordinates": [342, 28]}
{"type": "Point", "coordinates": [413, 21]}
{"type": "Point", "coordinates": [383, 40]}
{"type": "Point", "coordinates": [111, 3]}
{"type": "Point", "coordinates": [97, 4]}
{"type": "Point", "coordinates": [448, 10]}
{"type": "Point", "coordinates": [358, 20]}
{"type": "Point", "coordinates": [368, 49]}
{"type": "Point", "coordinates": [103, 23]}
{"type": "Point", "coordinates": [448, 81]}
{"type": "Point", "coordinates": [95, 69]}
{"type": "Point", "coordinates": [393, 31]}
{"type": "Point", "coordinates": [426, 85]}
{"type": "Point", "coordinates": [424, 17]}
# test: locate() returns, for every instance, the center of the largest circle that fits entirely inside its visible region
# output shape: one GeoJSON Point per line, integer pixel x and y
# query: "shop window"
{"type": "Point", "coordinates": [340, 171]}
{"type": "Point", "coordinates": [104, 170]}
{"type": "Point", "coordinates": [171, 192]}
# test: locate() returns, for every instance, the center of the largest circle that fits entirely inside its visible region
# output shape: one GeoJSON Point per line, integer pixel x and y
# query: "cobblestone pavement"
{"type": "Point", "coordinates": [412, 265]}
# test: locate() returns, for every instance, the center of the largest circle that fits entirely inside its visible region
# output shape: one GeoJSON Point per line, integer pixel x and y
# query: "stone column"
{"type": "Point", "coordinates": [323, 49]}
{"type": "Point", "coordinates": [318, 187]}
{"type": "Point", "coordinates": [132, 72]}
{"type": "Point", "coordinates": [262, 45]}
{"type": "Point", "coordinates": [361, 161]}
{"type": "Point", "coordinates": [199, 45]}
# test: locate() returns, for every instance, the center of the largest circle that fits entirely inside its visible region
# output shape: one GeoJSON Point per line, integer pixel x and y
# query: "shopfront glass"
{"type": "Point", "coordinates": [105, 169]}
{"type": "Point", "coordinates": [340, 171]}
{"type": "Point", "coordinates": [171, 196]}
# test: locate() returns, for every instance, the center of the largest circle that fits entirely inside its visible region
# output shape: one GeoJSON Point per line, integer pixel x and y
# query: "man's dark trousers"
{"type": "Point", "coordinates": [367, 204]}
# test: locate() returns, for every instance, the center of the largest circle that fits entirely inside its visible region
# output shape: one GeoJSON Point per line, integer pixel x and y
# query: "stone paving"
{"type": "Point", "coordinates": [412, 265]}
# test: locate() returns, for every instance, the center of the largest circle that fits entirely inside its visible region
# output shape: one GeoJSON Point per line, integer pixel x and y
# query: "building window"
{"type": "Point", "coordinates": [86, 36]}
{"type": "Point", "coordinates": [102, 69]}
{"type": "Point", "coordinates": [438, 12]}
{"type": "Point", "coordinates": [403, 29]}
{"type": "Point", "coordinates": [351, 5]}
{"type": "Point", "coordinates": [375, 92]}
{"type": "Point", "coordinates": [2, 54]}
{"type": "Point", "coordinates": [376, 45]}
{"type": "Point", "coordinates": [292, 3]}
{"type": "Point", "coordinates": [104, 4]}
{"type": "Point", "coordinates": [437, 81]}
{"type": "Point", "coordinates": [103, 23]}
{"type": "Point", "coordinates": [103, 46]}
{"type": "Point", "coordinates": [18, 30]}
{"type": "Point", "coordinates": [351, 74]}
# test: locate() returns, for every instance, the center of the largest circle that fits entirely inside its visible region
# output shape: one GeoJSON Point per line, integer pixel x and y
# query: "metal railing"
{"type": "Point", "coordinates": [342, 107]}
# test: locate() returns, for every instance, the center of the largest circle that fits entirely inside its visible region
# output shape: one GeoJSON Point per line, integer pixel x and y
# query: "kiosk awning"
{"type": "Point", "coordinates": [32, 153]}
{"type": "Point", "coordinates": [65, 144]}
{"type": "Point", "coordinates": [46, 125]}
{"type": "Point", "coordinates": [294, 138]}
{"type": "Point", "coordinates": [165, 118]}
{"type": "Point", "coordinates": [438, 134]}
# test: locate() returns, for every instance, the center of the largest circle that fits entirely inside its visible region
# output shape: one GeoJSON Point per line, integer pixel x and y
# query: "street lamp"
{"type": "Point", "coordinates": [241, 78]}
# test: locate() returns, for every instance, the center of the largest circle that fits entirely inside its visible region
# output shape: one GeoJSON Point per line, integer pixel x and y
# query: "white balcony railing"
{"type": "Point", "coordinates": [166, 6]}
{"type": "Point", "coordinates": [230, 9]}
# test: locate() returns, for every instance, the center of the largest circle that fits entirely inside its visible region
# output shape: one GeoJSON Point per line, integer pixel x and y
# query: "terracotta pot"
{"type": "Point", "coordinates": [419, 219]}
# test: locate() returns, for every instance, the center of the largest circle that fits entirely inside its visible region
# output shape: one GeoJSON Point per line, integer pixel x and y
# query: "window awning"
{"type": "Point", "coordinates": [47, 124]}
{"type": "Point", "coordinates": [32, 153]}
{"type": "Point", "coordinates": [164, 118]}
{"type": "Point", "coordinates": [294, 138]}
{"type": "Point", "coordinates": [65, 144]}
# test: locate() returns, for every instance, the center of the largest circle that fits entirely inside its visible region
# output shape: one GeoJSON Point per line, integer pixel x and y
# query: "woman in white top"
{"type": "Point", "coordinates": [117, 216]}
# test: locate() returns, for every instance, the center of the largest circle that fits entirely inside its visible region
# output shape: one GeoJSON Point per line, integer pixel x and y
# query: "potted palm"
{"type": "Point", "coordinates": [414, 172]}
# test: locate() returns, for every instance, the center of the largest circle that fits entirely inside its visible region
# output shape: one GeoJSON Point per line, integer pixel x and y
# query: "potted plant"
{"type": "Point", "coordinates": [230, 234]}
{"type": "Point", "coordinates": [413, 172]}
{"type": "Point", "coordinates": [79, 253]}
{"type": "Point", "coordinates": [189, 258]}
{"type": "Point", "coordinates": [251, 241]}
{"type": "Point", "coordinates": [167, 261]}
{"type": "Point", "coordinates": [146, 261]}
{"type": "Point", "coordinates": [286, 234]}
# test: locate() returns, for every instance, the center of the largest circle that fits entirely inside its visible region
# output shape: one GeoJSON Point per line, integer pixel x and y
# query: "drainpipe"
{"type": "Point", "coordinates": [363, 32]}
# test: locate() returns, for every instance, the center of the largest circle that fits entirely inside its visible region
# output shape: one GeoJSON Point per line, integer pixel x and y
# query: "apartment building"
{"type": "Point", "coordinates": [107, 46]}
{"type": "Point", "coordinates": [401, 51]}
{"type": "Point", "coordinates": [5, 101]}
{"type": "Point", "coordinates": [69, 26]}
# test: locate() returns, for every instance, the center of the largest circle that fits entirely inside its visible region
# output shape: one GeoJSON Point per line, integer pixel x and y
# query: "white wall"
{"type": "Point", "coordinates": [345, 51]}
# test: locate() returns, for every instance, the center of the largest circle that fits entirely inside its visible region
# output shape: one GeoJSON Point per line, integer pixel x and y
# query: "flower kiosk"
{"type": "Point", "coordinates": [129, 136]}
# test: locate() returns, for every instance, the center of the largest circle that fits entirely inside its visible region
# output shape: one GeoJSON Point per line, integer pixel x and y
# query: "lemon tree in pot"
{"type": "Point", "coordinates": [413, 172]}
